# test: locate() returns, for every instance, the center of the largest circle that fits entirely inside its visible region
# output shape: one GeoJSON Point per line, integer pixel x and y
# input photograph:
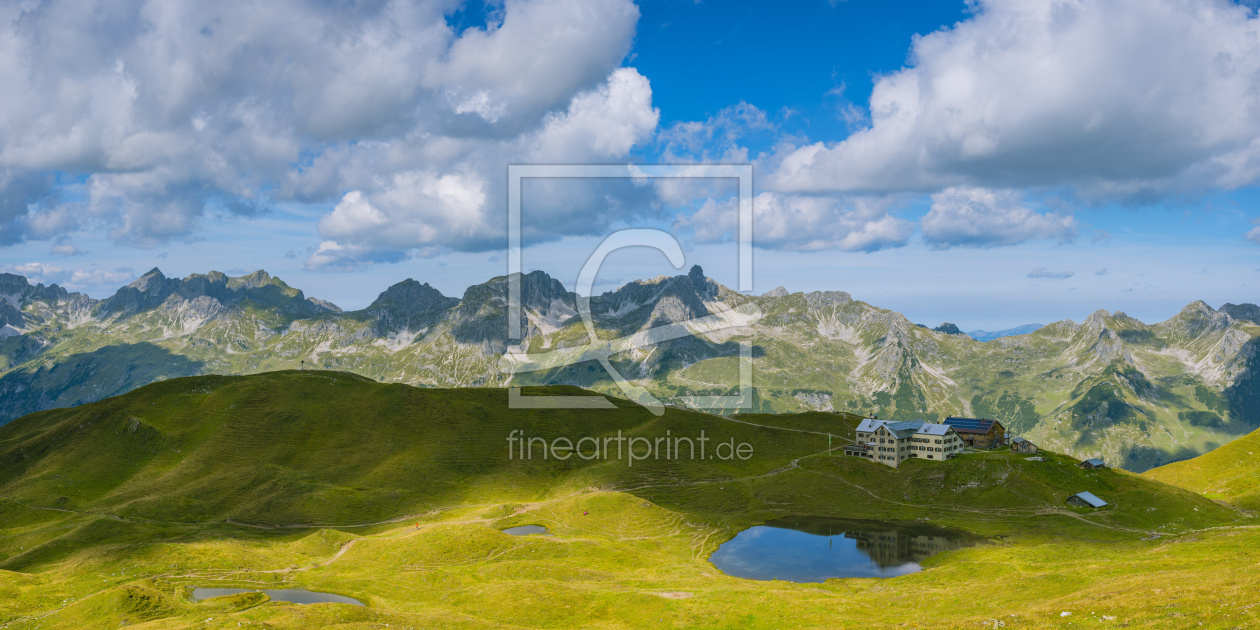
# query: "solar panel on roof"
{"type": "Point", "coordinates": [968, 423]}
{"type": "Point", "coordinates": [977, 425]}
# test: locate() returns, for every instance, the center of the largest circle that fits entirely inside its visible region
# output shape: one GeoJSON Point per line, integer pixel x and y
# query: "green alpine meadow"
{"type": "Point", "coordinates": [114, 512]}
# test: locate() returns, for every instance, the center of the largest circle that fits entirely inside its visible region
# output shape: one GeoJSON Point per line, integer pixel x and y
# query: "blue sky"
{"type": "Point", "coordinates": [990, 163]}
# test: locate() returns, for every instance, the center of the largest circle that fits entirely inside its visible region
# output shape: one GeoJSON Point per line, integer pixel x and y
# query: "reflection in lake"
{"type": "Point", "coordinates": [817, 549]}
{"type": "Point", "coordinates": [525, 530]}
{"type": "Point", "coordinates": [291, 595]}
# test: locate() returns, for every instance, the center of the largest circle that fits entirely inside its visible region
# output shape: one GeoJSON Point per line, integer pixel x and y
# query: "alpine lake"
{"type": "Point", "coordinates": [806, 549]}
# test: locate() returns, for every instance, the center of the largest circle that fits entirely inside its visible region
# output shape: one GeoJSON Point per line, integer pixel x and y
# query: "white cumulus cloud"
{"type": "Point", "coordinates": [979, 217]}
{"type": "Point", "coordinates": [165, 110]}
{"type": "Point", "coordinates": [72, 279]}
{"type": "Point", "coordinates": [1110, 97]}
{"type": "Point", "coordinates": [428, 209]}
{"type": "Point", "coordinates": [803, 223]}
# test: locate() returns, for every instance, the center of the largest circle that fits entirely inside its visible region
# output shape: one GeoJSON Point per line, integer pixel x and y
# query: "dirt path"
{"type": "Point", "coordinates": [770, 426]}
{"type": "Point", "coordinates": [792, 465]}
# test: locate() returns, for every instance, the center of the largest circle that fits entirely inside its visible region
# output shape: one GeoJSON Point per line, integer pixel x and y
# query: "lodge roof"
{"type": "Point", "coordinates": [971, 425]}
{"type": "Point", "coordinates": [903, 429]}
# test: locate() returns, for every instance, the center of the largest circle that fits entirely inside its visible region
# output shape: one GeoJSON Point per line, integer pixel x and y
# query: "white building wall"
{"type": "Point", "coordinates": [887, 449]}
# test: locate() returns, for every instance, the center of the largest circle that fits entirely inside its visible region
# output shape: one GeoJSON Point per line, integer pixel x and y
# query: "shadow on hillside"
{"type": "Point", "coordinates": [90, 376]}
{"type": "Point", "coordinates": [1140, 458]}
{"type": "Point", "coordinates": [1243, 395]}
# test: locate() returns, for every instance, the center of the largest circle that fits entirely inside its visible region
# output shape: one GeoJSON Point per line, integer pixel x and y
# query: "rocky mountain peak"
{"type": "Point", "coordinates": [820, 299]}
{"type": "Point", "coordinates": [324, 304]}
{"type": "Point", "coordinates": [16, 292]}
{"type": "Point", "coordinates": [12, 288]}
{"type": "Point", "coordinates": [152, 280]}
{"type": "Point", "coordinates": [683, 298]}
{"type": "Point", "coordinates": [408, 295]}
{"type": "Point", "coordinates": [146, 292]}
{"type": "Point", "coordinates": [12, 284]}
{"type": "Point", "coordinates": [408, 305]}
{"type": "Point", "coordinates": [539, 290]}
{"type": "Point", "coordinates": [1248, 312]}
{"type": "Point", "coordinates": [1198, 307]}
{"type": "Point", "coordinates": [1098, 318]}
{"type": "Point", "coordinates": [778, 291]}
{"type": "Point", "coordinates": [1196, 319]}
{"type": "Point", "coordinates": [213, 284]}
{"type": "Point", "coordinates": [255, 280]}
{"type": "Point", "coordinates": [153, 289]}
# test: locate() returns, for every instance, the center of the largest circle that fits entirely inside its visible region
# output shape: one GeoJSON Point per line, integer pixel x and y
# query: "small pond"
{"type": "Point", "coordinates": [525, 530]}
{"type": "Point", "coordinates": [291, 595]}
{"type": "Point", "coordinates": [817, 549]}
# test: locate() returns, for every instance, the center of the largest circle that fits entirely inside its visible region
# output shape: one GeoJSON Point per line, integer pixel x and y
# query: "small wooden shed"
{"type": "Point", "coordinates": [1020, 445]}
{"type": "Point", "coordinates": [1086, 499]}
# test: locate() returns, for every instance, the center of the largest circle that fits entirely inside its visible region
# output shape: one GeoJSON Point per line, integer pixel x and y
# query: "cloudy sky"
{"type": "Point", "coordinates": [990, 162]}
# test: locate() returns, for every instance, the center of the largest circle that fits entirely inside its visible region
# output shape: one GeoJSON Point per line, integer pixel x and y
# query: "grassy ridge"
{"type": "Point", "coordinates": [111, 512]}
{"type": "Point", "coordinates": [327, 448]}
{"type": "Point", "coordinates": [320, 447]}
{"type": "Point", "coordinates": [1230, 473]}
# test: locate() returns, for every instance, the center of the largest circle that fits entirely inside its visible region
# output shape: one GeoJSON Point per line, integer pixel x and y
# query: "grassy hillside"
{"type": "Point", "coordinates": [327, 447]}
{"type": "Point", "coordinates": [1230, 473]}
{"type": "Point", "coordinates": [315, 448]}
{"type": "Point", "coordinates": [111, 512]}
{"type": "Point", "coordinates": [1138, 395]}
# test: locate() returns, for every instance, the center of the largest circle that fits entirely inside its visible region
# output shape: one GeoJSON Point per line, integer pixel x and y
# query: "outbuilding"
{"type": "Point", "coordinates": [978, 432]}
{"type": "Point", "coordinates": [1086, 499]}
{"type": "Point", "coordinates": [856, 450]}
{"type": "Point", "coordinates": [1091, 464]}
{"type": "Point", "coordinates": [1020, 445]}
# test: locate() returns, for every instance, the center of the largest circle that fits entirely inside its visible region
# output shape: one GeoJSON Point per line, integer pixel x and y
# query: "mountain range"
{"type": "Point", "coordinates": [1139, 395]}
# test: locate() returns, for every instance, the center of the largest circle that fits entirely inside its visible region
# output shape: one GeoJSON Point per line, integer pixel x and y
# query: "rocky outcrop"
{"type": "Point", "coordinates": [1247, 312]}
{"type": "Point", "coordinates": [408, 306]}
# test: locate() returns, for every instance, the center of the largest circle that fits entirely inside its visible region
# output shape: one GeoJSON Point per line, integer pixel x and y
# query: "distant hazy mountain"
{"type": "Point", "coordinates": [984, 335]}
{"type": "Point", "coordinates": [1136, 394]}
